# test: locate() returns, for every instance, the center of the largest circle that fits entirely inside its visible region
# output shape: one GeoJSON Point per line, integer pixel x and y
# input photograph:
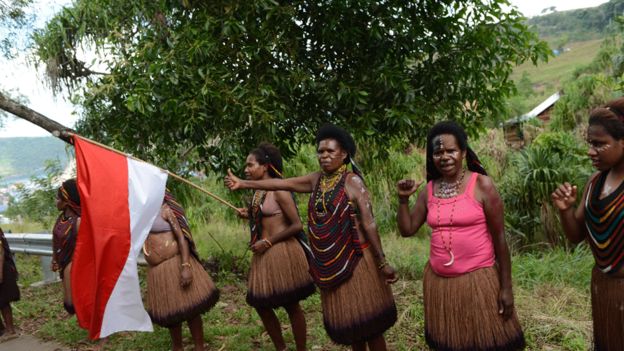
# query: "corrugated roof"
{"type": "Point", "coordinates": [537, 110]}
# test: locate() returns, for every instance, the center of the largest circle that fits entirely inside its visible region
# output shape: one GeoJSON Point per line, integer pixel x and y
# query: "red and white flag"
{"type": "Point", "coordinates": [120, 198]}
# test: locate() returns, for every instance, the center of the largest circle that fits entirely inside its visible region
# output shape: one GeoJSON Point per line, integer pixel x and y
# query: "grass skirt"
{"type": "Point", "coordinates": [9, 292]}
{"type": "Point", "coordinates": [360, 309]}
{"type": "Point", "coordinates": [168, 303]}
{"type": "Point", "coordinates": [279, 276]}
{"type": "Point", "coordinates": [607, 296]}
{"type": "Point", "coordinates": [461, 313]}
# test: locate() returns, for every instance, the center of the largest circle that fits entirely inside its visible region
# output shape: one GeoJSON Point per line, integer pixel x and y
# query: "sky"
{"type": "Point", "coordinates": [19, 76]}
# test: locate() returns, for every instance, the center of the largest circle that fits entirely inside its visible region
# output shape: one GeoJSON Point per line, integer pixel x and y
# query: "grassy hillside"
{"type": "Point", "coordinates": [546, 78]}
{"type": "Point", "coordinates": [22, 158]}
{"type": "Point", "coordinates": [551, 73]}
{"type": "Point", "coordinates": [577, 37]}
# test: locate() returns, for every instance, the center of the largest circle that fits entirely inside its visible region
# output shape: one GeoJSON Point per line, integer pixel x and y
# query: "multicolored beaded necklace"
{"type": "Point", "coordinates": [333, 236]}
{"type": "Point", "coordinates": [605, 224]}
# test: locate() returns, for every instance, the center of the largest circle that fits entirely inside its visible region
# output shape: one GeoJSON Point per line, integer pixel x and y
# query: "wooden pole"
{"type": "Point", "coordinates": [173, 175]}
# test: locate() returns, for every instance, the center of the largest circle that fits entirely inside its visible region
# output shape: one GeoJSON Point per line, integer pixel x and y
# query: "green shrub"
{"type": "Point", "coordinates": [531, 176]}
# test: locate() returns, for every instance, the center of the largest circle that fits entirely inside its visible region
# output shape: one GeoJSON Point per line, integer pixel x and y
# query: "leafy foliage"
{"type": "Point", "coordinates": [36, 203]}
{"type": "Point", "coordinates": [193, 85]}
{"type": "Point", "coordinates": [533, 174]}
{"type": "Point", "coordinates": [581, 96]}
{"type": "Point", "coordinates": [12, 18]}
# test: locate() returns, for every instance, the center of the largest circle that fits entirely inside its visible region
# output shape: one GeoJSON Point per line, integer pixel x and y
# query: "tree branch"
{"type": "Point", "coordinates": [34, 117]}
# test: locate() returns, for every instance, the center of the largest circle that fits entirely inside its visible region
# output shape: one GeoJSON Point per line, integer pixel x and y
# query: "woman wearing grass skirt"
{"type": "Point", "coordinates": [467, 287]}
{"type": "Point", "coordinates": [348, 262]}
{"type": "Point", "coordinates": [9, 291]}
{"type": "Point", "coordinates": [599, 221]}
{"type": "Point", "coordinates": [278, 276]}
{"type": "Point", "coordinates": [64, 236]}
{"type": "Point", "coordinates": [178, 287]}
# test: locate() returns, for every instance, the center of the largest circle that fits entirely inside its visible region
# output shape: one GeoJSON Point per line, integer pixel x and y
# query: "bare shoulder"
{"type": "Point", "coordinates": [354, 179]}
{"type": "Point", "coordinates": [485, 183]}
{"type": "Point", "coordinates": [355, 183]}
{"type": "Point", "coordinates": [283, 195]}
{"type": "Point", "coordinates": [313, 178]}
{"type": "Point", "coordinates": [485, 189]}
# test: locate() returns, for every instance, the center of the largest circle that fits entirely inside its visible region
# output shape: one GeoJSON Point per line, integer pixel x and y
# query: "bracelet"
{"type": "Point", "coordinates": [382, 264]}
{"type": "Point", "coordinates": [403, 200]}
{"type": "Point", "coordinates": [185, 264]}
{"type": "Point", "coordinates": [268, 242]}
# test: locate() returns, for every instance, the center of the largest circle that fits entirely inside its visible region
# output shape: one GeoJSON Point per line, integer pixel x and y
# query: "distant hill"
{"type": "Point", "coordinates": [22, 158]}
{"type": "Point", "coordinates": [578, 25]}
{"type": "Point", "coordinates": [576, 37]}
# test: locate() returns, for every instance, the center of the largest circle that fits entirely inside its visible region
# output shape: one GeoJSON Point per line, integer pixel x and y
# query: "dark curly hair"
{"type": "Point", "coordinates": [611, 117]}
{"type": "Point", "coordinates": [269, 154]}
{"type": "Point", "coordinates": [450, 127]}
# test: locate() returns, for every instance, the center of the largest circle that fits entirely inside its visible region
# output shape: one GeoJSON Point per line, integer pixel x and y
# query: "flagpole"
{"type": "Point", "coordinates": [173, 175]}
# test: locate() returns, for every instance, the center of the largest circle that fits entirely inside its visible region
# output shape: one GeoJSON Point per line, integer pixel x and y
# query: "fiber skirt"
{"type": "Point", "coordinates": [607, 295]}
{"type": "Point", "coordinates": [9, 291]}
{"type": "Point", "coordinates": [279, 277]}
{"type": "Point", "coordinates": [169, 304]}
{"type": "Point", "coordinates": [360, 309]}
{"type": "Point", "coordinates": [461, 313]}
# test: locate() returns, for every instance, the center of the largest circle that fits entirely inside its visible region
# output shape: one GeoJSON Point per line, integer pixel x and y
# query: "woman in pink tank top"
{"type": "Point", "coordinates": [467, 285]}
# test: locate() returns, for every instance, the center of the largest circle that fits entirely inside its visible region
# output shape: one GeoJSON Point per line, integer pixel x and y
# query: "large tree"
{"type": "Point", "coordinates": [203, 81]}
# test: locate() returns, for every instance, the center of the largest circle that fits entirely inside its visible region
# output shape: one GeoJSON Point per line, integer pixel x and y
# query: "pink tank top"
{"type": "Point", "coordinates": [469, 239]}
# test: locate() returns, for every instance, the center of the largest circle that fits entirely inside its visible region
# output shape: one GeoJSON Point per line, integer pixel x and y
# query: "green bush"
{"type": "Point", "coordinates": [531, 176]}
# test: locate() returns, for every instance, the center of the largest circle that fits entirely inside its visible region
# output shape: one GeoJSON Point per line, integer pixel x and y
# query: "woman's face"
{"type": "Point", "coordinates": [604, 150]}
{"type": "Point", "coordinates": [330, 155]}
{"type": "Point", "coordinates": [448, 158]}
{"type": "Point", "coordinates": [60, 203]}
{"type": "Point", "coordinates": [253, 169]}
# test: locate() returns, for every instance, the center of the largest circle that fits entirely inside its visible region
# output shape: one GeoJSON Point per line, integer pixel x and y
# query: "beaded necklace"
{"type": "Point", "coordinates": [447, 190]}
{"type": "Point", "coordinates": [333, 236]}
{"type": "Point", "coordinates": [448, 247]}
{"type": "Point", "coordinates": [327, 187]}
{"type": "Point", "coordinates": [603, 220]}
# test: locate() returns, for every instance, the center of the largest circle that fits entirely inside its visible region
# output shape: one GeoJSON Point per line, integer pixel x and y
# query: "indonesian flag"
{"type": "Point", "coordinates": [120, 198]}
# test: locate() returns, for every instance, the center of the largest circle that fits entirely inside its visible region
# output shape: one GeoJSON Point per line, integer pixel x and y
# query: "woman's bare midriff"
{"type": "Point", "coordinates": [273, 225]}
{"type": "Point", "coordinates": [160, 247]}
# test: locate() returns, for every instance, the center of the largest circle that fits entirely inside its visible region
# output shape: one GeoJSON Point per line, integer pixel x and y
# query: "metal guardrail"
{"type": "Point", "coordinates": [41, 245]}
{"type": "Point", "coordinates": [35, 244]}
